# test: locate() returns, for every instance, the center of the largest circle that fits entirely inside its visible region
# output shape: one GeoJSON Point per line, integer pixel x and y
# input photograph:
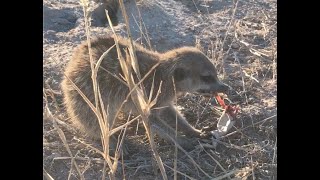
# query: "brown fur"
{"type": "Point", "coordinates": [191, 69]}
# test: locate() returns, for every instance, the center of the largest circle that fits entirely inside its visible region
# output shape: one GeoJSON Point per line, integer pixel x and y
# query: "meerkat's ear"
{"type": "Point", "coordinates": [179, 74]}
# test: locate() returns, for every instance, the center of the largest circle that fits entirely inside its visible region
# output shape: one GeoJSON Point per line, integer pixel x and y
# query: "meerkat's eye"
{"type": "Point", "coordinates": [208, 78]}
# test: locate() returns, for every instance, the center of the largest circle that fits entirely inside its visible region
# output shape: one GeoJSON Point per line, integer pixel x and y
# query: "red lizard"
{"type": "Point", "coordinates": [231, 110]}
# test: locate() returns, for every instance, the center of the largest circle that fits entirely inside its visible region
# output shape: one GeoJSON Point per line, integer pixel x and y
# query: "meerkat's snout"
{"type": "Point", "coordinates": [213, 88]}
{"type": "Point", "coordinates": [223, 88]}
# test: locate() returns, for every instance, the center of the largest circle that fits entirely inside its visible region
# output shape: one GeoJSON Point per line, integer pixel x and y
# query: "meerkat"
{"type": "Point", "coordinates": [181, 70]}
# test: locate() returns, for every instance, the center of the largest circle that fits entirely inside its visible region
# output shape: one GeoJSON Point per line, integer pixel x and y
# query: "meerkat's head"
{"type": "Point", "coordinates": [193, 72]}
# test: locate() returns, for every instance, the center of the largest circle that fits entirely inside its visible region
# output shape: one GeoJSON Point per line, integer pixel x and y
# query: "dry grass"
{"type": "Point", "coordinates": [249, 151]}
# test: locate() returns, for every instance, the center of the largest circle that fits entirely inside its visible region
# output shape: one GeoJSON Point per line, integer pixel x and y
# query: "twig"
{"type": "Point", "coordinates": [274, 151]}
{"type": "Point", "coordinates": [179, 172]}
{"type": "Point", "coordinates": [230, 173]}
{"type": "Point", "coordinates": [224, 170]}
{"type": "Point", "coordinates": [47, 175]}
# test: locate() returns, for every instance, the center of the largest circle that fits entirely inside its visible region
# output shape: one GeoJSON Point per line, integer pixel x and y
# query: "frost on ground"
{"type": "Point", "coordinates": [243, 45]}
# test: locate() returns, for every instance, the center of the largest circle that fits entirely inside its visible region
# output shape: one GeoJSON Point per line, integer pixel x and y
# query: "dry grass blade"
{"type": "Point", "coordinates": [154, 101]}
{"type": "Point", "coordinates": [85, 5]}
{"type": "Point", "coordinates": [138, 95]}
{"type": "Point", "coordinates": [134, 61]}
{"type": "Point", "coordinates": [187, 154]}
{"type": "Point", "coordinates": [274, 66]}
{"type": "Point", "coordinates": [97, 96]}
{"type": "Point", "coordinates": [97, 113]}
{"type": "Point", "coordinates": [89, 146]}
{"type": "Point", "coordinates": [104, 126]}
{"type": "Point", "coordinates": [123, 172]}
{"type": "Point", "coordinates": [101, 116]}
{"type": "Point", "coordinates": [81, 159]}
{"type": "Point", "coordinates": [47, 175]}
{"type": "Point", "coordinates": [274, 151]}
{"type": "Point", "coordinates": [242, 76]}
{"type": "Point", "coordinates": [146, 36]}
{"type": "Point", "coordinates": [176, 135]}
{"type": "Point", "coordinates": [141, 30]}
{"type": "Point", "coordinates": [246, 169]}
{"type": "Point", "coordinates": [227, 32]}
{"type": "Point", "coordinates": [71, 169]}
{"type": "Point", "coordinates": [119, 145]}
{"type": "Point", "coordinates": [224, 170]}
{"type": "Point", "coordinates": [122, 81]}
{"type": "Point", "coordinates": [102, 57]}
{"type": "Point", "coordinates": [152, 87]}
{"type": "Point", "coordinates": [252, 170]}
{"type": "Point", "coordinates": [84, 97]}
{"type": "Point", "coordinates": [153, 147]}
{"type": "Point", "coordinates": [179, 172]}
{"type": "Point", "coordinates": [124, 125]}
{"type": "Point", "coordinates": [64, 141]}
{"type": "Point", "coordinates": [133, 89]}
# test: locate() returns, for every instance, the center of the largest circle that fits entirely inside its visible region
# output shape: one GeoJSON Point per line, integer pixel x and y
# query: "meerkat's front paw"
{"type": "Point", "coordinates": [206, 132]}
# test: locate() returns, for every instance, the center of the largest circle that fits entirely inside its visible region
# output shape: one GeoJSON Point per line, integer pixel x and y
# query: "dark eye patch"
{"type": "Point", "coordinates": [208, 78]}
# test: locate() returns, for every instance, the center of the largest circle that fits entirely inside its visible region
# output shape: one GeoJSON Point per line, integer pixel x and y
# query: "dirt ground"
{"type": "Point", "coordinates": [243, 46]}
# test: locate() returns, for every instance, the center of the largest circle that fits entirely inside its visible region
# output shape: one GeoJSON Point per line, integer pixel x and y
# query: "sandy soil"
{"type": "Point", "coordinates": [244, 48]}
